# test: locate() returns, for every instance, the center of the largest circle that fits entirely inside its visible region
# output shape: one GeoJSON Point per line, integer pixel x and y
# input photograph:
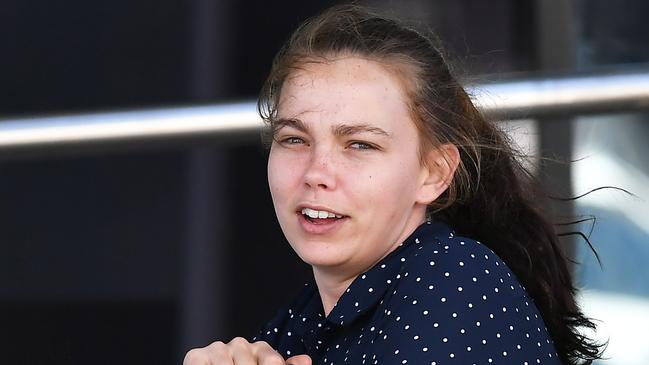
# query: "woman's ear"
{"type": "Point", "coordinates": [438, 171]}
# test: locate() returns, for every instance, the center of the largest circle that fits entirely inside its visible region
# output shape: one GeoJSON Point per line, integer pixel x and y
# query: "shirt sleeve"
{"type": "Point", "coordinates": [456, 302]}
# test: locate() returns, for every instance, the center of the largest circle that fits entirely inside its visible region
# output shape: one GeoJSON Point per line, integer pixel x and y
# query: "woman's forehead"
{"type": "Point", "coordinates": [351, 67]}
{"type": "Point", "coordinates": [348, 88]}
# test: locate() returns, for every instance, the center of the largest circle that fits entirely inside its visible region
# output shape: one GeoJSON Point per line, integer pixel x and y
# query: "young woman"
{"type": "Point", "coordinates": [417, 219]}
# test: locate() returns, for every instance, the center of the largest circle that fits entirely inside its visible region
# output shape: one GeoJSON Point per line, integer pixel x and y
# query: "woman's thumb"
{"type": "Point", "coordinates": [299, 360]}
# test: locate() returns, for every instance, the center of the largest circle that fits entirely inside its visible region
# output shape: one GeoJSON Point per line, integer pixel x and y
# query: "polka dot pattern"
{"type": "Point", "coordinates": [437, 299]}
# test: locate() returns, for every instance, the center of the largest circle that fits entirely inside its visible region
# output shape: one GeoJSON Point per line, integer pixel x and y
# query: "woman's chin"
{"type": "Point", "coordinates": [320, 254]}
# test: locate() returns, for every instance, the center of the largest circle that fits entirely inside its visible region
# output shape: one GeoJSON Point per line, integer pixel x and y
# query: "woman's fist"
{"type": "Point", "coordinates": [240, 352]}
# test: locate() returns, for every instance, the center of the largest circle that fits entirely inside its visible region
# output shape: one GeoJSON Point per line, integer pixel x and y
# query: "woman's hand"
{"type": "Point", "coordinates": [240, 352]}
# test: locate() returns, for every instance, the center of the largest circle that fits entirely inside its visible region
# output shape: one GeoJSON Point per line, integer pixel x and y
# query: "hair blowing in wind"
{"type": "Point", "coordinates": [492, 197]}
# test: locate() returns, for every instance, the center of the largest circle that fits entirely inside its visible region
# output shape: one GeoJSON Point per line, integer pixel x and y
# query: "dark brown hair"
{"type": "Point", "coordinates": [492, 197]}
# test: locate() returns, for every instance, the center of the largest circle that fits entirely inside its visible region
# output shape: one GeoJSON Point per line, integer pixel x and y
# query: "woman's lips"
{"type": "Point", "coordinates": [320, 225]}
{"type": "Point", "coordinates": [314, 212]}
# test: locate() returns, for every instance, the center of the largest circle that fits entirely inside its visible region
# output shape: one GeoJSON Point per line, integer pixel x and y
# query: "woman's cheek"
{"type": "Point", "coordinates": [284, 175]}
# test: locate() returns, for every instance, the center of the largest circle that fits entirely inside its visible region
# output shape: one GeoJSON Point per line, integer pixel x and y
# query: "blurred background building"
{"type": "Point", "coordinates": [133, 253]}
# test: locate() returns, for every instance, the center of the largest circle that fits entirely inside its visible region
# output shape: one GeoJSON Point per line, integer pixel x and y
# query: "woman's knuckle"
{"type": "Point", "coordinates": [239, 341]}
{"type": "Point", "coordinates": [196, 357]}
{"type": "Point", "coordinates": [273, 359]}
{"type": "Point", "coordinates": [261, 344]}
{"type": "Point", "coordinates": [217, 345]}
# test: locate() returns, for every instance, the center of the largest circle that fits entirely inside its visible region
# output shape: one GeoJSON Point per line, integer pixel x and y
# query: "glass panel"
{"type": "Point", "coordinates": [614, 150]}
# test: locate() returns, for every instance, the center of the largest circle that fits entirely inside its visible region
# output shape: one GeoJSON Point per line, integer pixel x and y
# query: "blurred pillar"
{"type": "Point", "coordinates": [204, 283]}
{"type": "Point", "coordinates": [557, 52]}
{"type": "Point", "coordinates": [205, 266]}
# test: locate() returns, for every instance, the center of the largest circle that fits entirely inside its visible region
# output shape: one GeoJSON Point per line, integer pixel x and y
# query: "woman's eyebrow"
{"type": "Point", "coordinates": [351, 129]}
{"type": "Point", "coordinates": [293, 123]}
{"type": "Point", "coordinates": [339, 129]}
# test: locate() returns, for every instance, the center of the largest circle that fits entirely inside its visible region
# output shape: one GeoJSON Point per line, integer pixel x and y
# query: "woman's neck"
{"type": "Point", "coordinates": [331, 287]}
{"type": "Point", "coordinates": [333, 281]}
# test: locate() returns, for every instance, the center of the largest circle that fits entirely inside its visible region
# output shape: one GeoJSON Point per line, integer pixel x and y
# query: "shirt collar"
{"type": "Point", "coordinates": [366, 291]}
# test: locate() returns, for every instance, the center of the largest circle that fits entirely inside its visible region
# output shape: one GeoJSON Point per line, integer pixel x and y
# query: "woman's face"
{"type": "Point", "coordinates": [344, 169]}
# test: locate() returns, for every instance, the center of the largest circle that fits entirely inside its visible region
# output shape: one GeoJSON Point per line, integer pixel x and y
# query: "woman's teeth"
{"type": "Point", "coordinates": [312, 213]}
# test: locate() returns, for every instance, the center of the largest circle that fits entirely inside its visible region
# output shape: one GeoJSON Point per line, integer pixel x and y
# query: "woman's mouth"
{"type": "Point", "coordinates": [319, 221]}
{"type": "Point", "coordinates": [319, 216]}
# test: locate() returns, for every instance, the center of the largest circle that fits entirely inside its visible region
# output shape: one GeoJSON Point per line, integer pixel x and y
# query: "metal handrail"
{"type": "Point", "coordinates": [615, 91]}
{"type": "Point", "coordinates": [595, 93]}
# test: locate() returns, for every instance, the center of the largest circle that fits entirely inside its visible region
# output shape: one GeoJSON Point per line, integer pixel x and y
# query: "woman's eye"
{"type": "Point", "coordinates": [292, 140]}
{"type": "Point", "coordinates": [361, 146]}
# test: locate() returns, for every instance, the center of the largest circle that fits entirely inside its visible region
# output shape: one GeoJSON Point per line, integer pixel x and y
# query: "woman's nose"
{"type": "Point", "coordinates": [320, 173]}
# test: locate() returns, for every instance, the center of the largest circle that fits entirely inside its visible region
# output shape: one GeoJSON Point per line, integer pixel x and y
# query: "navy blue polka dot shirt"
{"type": "Point", "coordinates": [437, 299]}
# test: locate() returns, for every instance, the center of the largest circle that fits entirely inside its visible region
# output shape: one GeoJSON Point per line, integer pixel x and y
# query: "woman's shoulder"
{"type": "Point", "coordinates": [456, 299]}
{"type": "Point", "coordinates": [457, 265]}
{"type": "Point", "coordinates": [451, 250]}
